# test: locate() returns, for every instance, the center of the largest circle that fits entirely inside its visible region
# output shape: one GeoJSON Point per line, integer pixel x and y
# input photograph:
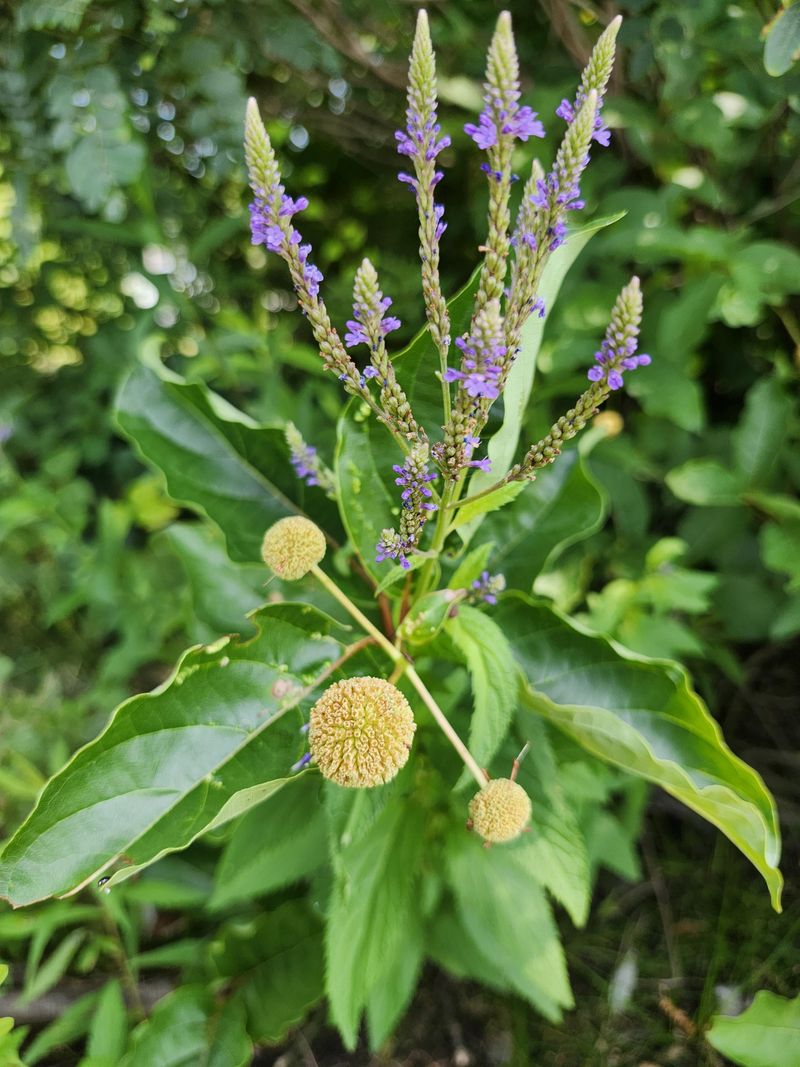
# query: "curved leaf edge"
{"type": "Point", "coordinates": [767, 865]}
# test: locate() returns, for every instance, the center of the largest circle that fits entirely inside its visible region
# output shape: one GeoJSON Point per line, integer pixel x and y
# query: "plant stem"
{"type": "Point", "coordinates": [477, 496]}
{"type": "Point", "coordinates": [398, 658]}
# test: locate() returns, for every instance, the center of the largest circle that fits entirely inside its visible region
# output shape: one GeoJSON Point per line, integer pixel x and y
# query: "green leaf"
{"type": "Point", "coordinates": [554, 851]}
{"type": "Point", "coordinates": [109, 1029]}
{"type": "Point", "coordinates": [491, 502]}
{"type": "Point", "coordinates": [782, 46]}
{"type": "Point", "coordinates": [705, 482]}
{"type": "Point", "coordinates": [398, 574]}
{"type": "Point", "coordinates": [273, 846]}
{"type": "Point", "coordinates": [490, 662]}
{"type": "Point", "coordinates": [416, 365]}
{"type": "Point", "coordinates": [516, 395]}
{"type": "Point", "coordinates": [205, 746]}
{"type": "Point", "coordinates": [471, 566]}
{"type": "Point", "coordinates": [762, 430]}
{"type": "Point", "coordinates": [51, 14]}
{"type": "Point", "coordinates": [642, 715]}
{"type": "Point", "coordinates": [223, 592]}
{"type": "Point", "coordinates": [564, 505]}
{"type": "Point", "coordinates": [490, 887]}
{"type": "Point", "coordinates": [428, 615]}
{"type": "Point", "coordinates": [215, 458]}
{"type": "Point", "coordinates": [278, 961]}
{"type": "Point", "coordinates": [363, 464]}
{"type": "Point", "coordinates": [767, 1034]}
{"type": "Point", "coordinates": [389, 998]}
{"type": "Point", "coordinates": [780, 549]}
{"type": "Point", "coordinates": [230, 1042]}
{"type": "Point", "coordinates": [53, 968]}
{"type": "Point", "coordinates": [175, 1035]}
{"type": "Point", "coordinates": [373, 906]}
{"type": "Point", "coordinates": [71, 1024]}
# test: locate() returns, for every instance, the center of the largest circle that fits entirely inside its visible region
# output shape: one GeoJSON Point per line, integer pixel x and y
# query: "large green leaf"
{"type": "Point", "coordinates": [372, 911]}
{"type": "Point", "coordinates": [277, 961]}
{"type": "Point", "coordinates": [503, 445]}
{"type": "Point", "coordinates": [782, 46]}
{"type": "Point", "coordinates": [215, 458]}
{"type": "Point", "coordinates": [564, 505]}
{"type": "Point", "coordinates": [365, 454]}
{"type": "Point", "coordinates": [273, 846]}
{"type": "Point", "coordinates": [642, 715]}
{"type": "Point", "coordinates": [767, 1034]}
{"type": "Point", "coordinates": [490, 662]}
{"type": "Point", "coordinates": [211, 742]}
{"type": "Point", "coordinates": [508, 917]}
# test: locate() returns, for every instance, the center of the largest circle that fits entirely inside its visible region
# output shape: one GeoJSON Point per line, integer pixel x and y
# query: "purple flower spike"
{"type": "Point", "coordinates": [617, 352]}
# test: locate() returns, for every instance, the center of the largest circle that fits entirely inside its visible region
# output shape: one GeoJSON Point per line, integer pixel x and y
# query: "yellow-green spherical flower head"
{"type": "Point", "coordinates": [361, 731]}
{"type": "Point", "coordinates": [292, 547]}
{"type": "Point", "coordinates": [500, 811]}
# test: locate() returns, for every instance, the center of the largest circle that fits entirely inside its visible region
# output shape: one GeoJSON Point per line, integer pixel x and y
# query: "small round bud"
{"type": "Point", "coordinates": [292, 547]}
{"type": "Point", "coordinates": [361, 731]}
{"type": "Point", "coordinates": [500, 811]}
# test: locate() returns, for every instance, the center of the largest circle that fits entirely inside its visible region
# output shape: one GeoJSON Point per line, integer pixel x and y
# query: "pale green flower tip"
{"type": "Point", "coordinates": [612, 29]}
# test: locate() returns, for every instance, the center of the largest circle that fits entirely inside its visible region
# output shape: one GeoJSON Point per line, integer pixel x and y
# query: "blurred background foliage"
{"type": "Point", "coordinates": [123, 232]}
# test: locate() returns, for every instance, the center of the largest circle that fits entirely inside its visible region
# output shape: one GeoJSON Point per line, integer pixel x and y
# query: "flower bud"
{"type": "Point", "coordinates": [361, 731]}
{"type": "Point", "coordinates": [292, 547]}
{"type": "Point", "coordinates": [500, 811]}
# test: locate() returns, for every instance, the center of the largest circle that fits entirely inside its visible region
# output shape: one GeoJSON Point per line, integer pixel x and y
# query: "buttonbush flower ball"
{"type": "Point", "coordinates": [500, 811]}
{"type": "Point", "coordinates": [361, 732]}
{"type": "Point", "coordinates": [292, 547]}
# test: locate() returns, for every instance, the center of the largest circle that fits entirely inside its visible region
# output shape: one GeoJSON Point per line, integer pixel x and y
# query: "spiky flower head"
{"type": "Point", "coordinates": [617, 352]}
{"type": "Point", "coordinates": [500, 811]}
{"type": "Point", "coordinates": [360, 732]}
{"type": "Point", "coordinates": [292, 547]}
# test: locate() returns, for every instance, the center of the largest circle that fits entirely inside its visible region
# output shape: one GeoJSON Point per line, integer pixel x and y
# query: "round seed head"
{"type": "Point", "coordinates": [361, 732]}
{"type": "Point", "coordinates": [500, 811]}
{"type": "Point", "coordinates": [292, 547]}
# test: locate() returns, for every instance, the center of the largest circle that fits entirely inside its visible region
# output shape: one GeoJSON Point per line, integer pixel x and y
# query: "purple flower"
{"type": "Point", "coordinates": [370, 323]}
{"type": "Point", "coordinates": [568, 111]}
{"type": "Point", "coordinates": [617, 352]}
{"type": "Point", "coordinates": [501, 117]}
{"type": "Point", "coordinates": [301, 763]}
{"type": "Point", "coordinates": [487, 587]}
{"type": "Point", "coordinates": [414, 479]}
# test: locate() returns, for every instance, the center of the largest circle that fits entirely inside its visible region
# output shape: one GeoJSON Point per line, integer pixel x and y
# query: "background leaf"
{"type": "Point", "coordinates": [767, 1034]}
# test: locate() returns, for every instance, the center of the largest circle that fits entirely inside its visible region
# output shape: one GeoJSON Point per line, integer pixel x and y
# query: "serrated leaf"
{"type": "Point", "coordinates": [51, 14]}
{"type": "Point", "coordinates": [471, 567]}
{"type": "Point", "coordinates": [372, 906]}
{"type": "Point", "coordinates": [175, 1035]}
{"type": "Point", "coordinates": [641, 715]}
{"type": "Point", "coordinates": [508, 917]}
{"type": "Point", "coordinates": [554, 850]}
{"type": "Point", "coordinates": [388, 998]}
{"type": "Point", "coordinates": [767, 1034]}
{"type": "Point", "coordinates": [213, 740]}
{"type": "Point", "coordinates": [278, 961]}
{"type": "Point", "coordinates": [490, 662]}
{"type": "Point", "coordinates": [273, 846]}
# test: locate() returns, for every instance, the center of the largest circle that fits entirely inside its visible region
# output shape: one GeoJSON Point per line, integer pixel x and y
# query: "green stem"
{"type": "Point", "coordinates": [397, 658]}
{"type": "Point", "coordinates": [478, 496]}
